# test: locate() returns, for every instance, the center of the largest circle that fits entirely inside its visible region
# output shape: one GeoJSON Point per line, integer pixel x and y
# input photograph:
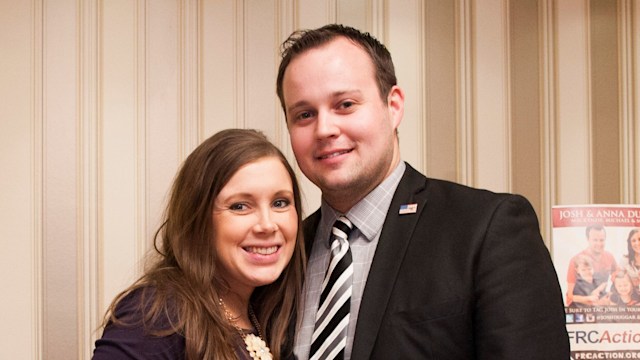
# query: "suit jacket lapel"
{"type": "Point", "coordinates": [309, 227]}
{"type": "Point", "coordinates": [396, 234]}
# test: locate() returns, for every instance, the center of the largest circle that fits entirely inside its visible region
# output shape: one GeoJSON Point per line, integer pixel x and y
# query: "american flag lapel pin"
{"type": "Point", "coordinates": [408, 209]}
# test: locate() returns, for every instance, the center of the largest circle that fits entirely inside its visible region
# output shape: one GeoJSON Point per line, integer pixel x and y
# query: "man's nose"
{"type": "Point", "coordinates": [326, 125]}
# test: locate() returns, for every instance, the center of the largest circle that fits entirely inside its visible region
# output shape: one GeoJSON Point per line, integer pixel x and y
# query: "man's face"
{"type": "Point", "coordinates": [596, 241]}
{"type": "Point", "coordinates": [342, 133]}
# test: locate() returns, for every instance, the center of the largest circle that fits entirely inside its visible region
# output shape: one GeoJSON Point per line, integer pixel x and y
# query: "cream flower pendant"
{"type": "Point", "coordinates": [258, 349]}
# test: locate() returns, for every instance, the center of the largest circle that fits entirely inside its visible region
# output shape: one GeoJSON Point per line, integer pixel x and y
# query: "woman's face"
{"type": "Point", "coordinates": [635, 242]}
{"type": "Point", "coordinates": [255, 225]}
{"type": "Point", "coordinates": [623, 285]}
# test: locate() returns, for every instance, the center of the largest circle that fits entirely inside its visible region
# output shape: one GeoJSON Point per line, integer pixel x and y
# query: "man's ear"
{"type": "Point", "coordinates": [395, 105]}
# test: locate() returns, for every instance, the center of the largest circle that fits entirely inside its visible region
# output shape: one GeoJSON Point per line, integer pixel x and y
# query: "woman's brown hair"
{"type": "Point", "coordinates": [181, 285]}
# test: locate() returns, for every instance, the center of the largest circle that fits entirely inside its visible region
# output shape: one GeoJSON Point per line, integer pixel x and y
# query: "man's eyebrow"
{"type": "Point", "coordinates": [346, 92]}
{"type": "Point", "coordinates": [303, 103]}
{"type": "Point", "coordinates": [299, 104]}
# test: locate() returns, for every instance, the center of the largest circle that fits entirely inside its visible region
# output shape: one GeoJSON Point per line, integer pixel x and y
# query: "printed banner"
{"type": "Point", "coordinates": [596, 251]}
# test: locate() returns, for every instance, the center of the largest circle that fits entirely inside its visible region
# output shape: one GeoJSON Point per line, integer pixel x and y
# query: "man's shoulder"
{"type": "Point", "coordinates": [448, 188]}
{"type": "Point", "coordinates": [456, 195]}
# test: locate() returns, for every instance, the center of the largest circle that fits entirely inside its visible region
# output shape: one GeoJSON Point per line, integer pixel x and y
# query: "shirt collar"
{"type": "Point", "coordinates": [368, 214]}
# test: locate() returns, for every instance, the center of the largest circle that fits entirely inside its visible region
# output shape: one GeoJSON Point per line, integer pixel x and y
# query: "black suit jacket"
{"type": "Point", "coordinates": [465, 277]}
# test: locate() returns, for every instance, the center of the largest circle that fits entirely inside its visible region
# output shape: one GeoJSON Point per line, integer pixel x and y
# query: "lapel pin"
{"type": "Point", "coordinates": [408, 209]}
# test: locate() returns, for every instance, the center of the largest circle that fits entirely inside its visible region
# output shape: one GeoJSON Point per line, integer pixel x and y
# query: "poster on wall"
{"type": "Point", "coordinates": [596, 251]}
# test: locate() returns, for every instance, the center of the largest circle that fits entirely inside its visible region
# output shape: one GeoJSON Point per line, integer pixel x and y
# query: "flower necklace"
{"type": "Point", "coordinates": [257, 348]}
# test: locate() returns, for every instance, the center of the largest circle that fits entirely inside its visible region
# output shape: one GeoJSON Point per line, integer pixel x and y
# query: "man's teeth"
{"type": "Point", "coordinates": [262, 250]}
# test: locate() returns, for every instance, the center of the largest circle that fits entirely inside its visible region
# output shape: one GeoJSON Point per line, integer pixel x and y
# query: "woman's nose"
{"type": "Point", "coordinates": [265, 223]}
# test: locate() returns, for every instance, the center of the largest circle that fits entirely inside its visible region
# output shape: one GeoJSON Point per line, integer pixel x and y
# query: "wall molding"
{"type": "Point", "coordinates": [190, 124]}
{"type": "Point", "coordinates": [89, 316]}
{"type": "Point", "coordinates": [464, 50]}
{"type": "Point", "coordinates": [37, 164]}
{"type": "Point", "coordinates": [628, 111]}
{"type": "Point", "coordinates": [508, 99]}
{"type": "Point", "coordinates": [548, 113]}
{"type": "Point", "coordinates": [589, 95]}
{"type": "Point", "coordinates": [636, 101]}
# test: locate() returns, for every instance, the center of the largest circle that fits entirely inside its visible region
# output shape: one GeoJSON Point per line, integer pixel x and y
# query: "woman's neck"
{"type": "Point", "coordinates": [236, 310]}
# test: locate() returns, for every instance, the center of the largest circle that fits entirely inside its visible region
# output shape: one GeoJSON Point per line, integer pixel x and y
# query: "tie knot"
{"type": "Point", "coordinates": [342, 227]}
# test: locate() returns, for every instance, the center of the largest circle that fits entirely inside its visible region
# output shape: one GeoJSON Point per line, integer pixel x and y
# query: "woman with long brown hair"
{"type": "Point", "coordinates": [225, 281]}
{"type": "Point", "coordinates": [630, 262]}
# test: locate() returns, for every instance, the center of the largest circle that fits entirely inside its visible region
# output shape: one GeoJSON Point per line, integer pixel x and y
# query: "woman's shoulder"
{"type": "Point", "coordinates": [134, 335]}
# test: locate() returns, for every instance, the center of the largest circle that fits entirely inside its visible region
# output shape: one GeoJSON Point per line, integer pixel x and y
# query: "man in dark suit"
{"type": "Point", "coordinates": [439, 270]}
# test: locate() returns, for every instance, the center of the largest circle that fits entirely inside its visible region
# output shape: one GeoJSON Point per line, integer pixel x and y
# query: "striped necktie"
{"type": "Point", "coordinates": [332, 319]}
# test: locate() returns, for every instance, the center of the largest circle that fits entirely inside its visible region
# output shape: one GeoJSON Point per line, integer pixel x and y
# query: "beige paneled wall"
{"type": "Point", "coordinates": [101, 100]}
{"type": "Point", "coordinates": [21, 185]}
{"type": "Point", "coordinates": [525, 93]}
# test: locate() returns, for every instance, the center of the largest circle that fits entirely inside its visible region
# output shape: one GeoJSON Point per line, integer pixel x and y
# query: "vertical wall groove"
{"type": "Point", "coordinates": [627, 126]}
{"type": "Point", "coordinates": [635, 163]}
{"type": "Point", "coordinates": [464, 92]}
{"type": "Point", "coordinates": [548, 113]}
{"type": "Point", "coordinates": [189, 113]}
{"type": "Point", "coordinates": [285, 25]}
{"type": "Point", "coordinates": [88, 312]}
{"type": "Point", "coordinates": [239, 64]}
{"type": "Point", "coordinates": [99, 166]}
{"type": "Point", "coordinates": [635, 166]}
{"type": "Point", "coordinates": [141, 133]}
{"type": "Point", "coordinates": [37, 239]}
{"type": "Point", "coordinates": [422, 93]}
{"type": "Point", "coordinates": [508, 181]}
{"type": "Point", "coordinates": [375, 20]}
{"type": "Point", "coordinates": [589, 90]}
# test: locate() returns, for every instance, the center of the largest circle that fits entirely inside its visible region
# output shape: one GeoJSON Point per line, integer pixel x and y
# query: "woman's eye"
{"type": "Point", "coordinates": [281, 203]}
{"type": "Point", "coordinates": [238, 207]}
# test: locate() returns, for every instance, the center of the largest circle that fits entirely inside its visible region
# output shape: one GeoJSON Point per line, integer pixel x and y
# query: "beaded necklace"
{"type": "Point", "coordinates": [255, 345]}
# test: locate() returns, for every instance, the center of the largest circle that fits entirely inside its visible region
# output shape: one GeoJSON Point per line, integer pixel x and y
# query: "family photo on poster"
{"type": "Point", "coordinates": [596, 251]}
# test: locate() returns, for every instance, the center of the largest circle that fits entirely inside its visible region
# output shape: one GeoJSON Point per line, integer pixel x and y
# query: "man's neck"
{"type": "Point", "coordinates": [595, 254]}
{"type": "Point", "coordinates": [342, 201]}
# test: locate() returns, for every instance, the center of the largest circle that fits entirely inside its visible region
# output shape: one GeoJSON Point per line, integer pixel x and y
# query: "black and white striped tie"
{"type": "Point", "coordinates": [332, 319]}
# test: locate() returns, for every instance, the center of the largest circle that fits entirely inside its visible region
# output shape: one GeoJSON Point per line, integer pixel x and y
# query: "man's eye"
{"type": "Point", "coordinates": [346, 104]}
{"type": "Point", "coordinates": [305, 115]}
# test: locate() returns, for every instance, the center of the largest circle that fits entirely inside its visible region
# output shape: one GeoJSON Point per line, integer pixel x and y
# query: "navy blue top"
{"type": "Point", "coordinates": [135, 341]}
